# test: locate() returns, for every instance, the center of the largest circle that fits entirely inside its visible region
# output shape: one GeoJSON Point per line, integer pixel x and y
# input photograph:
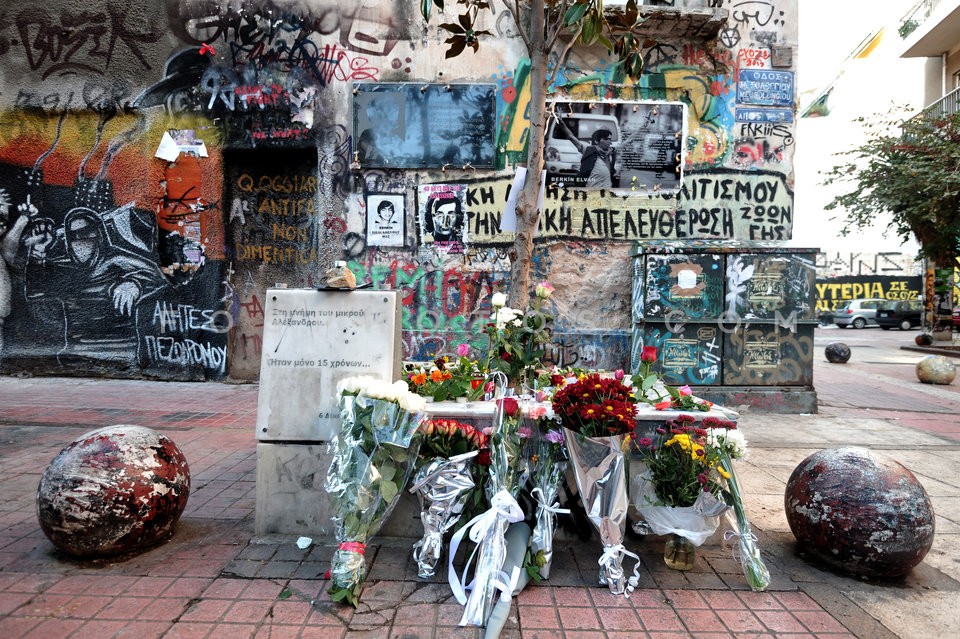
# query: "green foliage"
{"type": "Point", "coordinates": [910, 170]}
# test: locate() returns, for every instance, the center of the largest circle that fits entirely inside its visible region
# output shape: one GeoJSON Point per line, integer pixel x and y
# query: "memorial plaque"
{"type": "Point", "coordinates": [313, 339]}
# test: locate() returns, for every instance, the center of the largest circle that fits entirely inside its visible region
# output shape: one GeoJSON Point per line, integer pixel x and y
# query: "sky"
{"type": "Point", "coordinates": [829, 30]}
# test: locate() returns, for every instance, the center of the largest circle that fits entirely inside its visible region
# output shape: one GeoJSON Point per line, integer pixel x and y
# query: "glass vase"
{"type": "Point", "coordinates": [679, 553]}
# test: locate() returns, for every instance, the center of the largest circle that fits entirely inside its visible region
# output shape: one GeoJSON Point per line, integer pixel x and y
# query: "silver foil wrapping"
{"type": "Point", "coordinates": [372, 461]}
{"type": "Point", "coordinates": [599, 466]}
{"type": "Point", "coordinates": [546, 487]}
{"type": "Point", "coordinates": [488, 529]}
{"type": "Point", "coordinates": [443, 486]}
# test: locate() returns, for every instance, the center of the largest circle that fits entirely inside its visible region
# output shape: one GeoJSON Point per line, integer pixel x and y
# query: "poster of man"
{"type": "Point", "coordinates": [443, 217]}
{"type": "Point", "coordinates": [385, 219]}
{"type": "Point", "coordinates": [633, 147]}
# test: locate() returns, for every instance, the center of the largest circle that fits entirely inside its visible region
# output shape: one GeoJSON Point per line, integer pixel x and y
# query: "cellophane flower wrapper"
{"type": "Point", "coordinates": [694, 523]}
{"type": "Point", "coordinates": [599, 467]}
{"type": "Point", "coordinates": [488, 530]}
{"type": "Point", "coordinates": [546, 478]}
{"type": "Point", "coordinates": [373, 458]}
{"type": "Point", "coordinates": [747, 551]}
{"type": "Point", "coordinates": [443, 486]}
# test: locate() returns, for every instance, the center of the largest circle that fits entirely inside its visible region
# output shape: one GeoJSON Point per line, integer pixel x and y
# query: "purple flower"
{"type": "Point", "coordinates": [702, 478]}
{"type": "Point", "coordinates": [524, 432]}
{"type": "Point", "coordinates": [618, 374]}
{"type": "Point", "coordinates": [554, 436]}
{"type": "Point", "coordinates": [645, 441]}
{"type": "Point", "coordinates": [463, 349]}
{"type": "Point", "coordinates": [662, 431]}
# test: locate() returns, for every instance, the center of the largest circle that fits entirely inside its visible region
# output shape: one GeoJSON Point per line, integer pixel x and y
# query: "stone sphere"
{"type": "Point", "coordinates": [863, 515]}
{"type": "Point", "coordinates": [112, 491]}
{"type": "Point", "coordinates": [936, 369]}
{"type": "Point", "coordinates": [837, 353]}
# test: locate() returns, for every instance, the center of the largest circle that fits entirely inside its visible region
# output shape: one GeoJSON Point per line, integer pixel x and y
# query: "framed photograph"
{"type": "Point", "coordinates": [386, 219]}
{"type": "Point", "coordinates": [635, 147]}
{"type": "Point", "coordinates": [413, 125]}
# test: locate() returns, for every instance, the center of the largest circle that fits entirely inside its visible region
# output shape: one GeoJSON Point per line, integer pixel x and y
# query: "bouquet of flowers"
{"type": "Point", "coordinates": [373, 457]}
{"type": "Point", "coordinates": [517, 338]}
{"type": "Point", "coordinates": [733, 445]}
{"type": "Point", "coordinates": [488, 530]}
{"type": "Point", "coordinates": [549, 465]}
{"type": "Point", "coordinates": [445, 379]}
{"type": "Point", "coordinates": [681, 487]}
{"type": "Point", "coordinates": [444, 483]}
{"type": "Point", "coordinates": [598, 414]}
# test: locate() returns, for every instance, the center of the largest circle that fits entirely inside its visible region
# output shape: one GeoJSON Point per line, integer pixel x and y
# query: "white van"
{"type": "Point", "coordinates": [562, 155]}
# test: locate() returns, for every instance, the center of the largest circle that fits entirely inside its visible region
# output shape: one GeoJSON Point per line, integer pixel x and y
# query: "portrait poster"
{"type": "Point", "coordinates": [625, 147]}
{"type": "Point", "coordinates": [415, 125]}
{"type": "Point", "coordinates": [443, 216]}
{"type": "Point", "coordinates": [385, 219]}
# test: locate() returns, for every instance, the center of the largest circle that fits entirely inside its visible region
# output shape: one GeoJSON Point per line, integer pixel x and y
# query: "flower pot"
{"type": "Point", "coordinates": [679, 553]}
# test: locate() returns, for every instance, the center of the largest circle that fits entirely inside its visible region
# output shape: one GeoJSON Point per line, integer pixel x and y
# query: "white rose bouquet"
{"type": "Point", "coordinates": [373, 458]}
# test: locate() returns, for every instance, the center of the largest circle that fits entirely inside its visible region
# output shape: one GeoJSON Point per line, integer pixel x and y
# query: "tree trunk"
{"type": "Point", "coordinates": [528, 214]}
{"type": "Point", "coordinates": [943, 302]}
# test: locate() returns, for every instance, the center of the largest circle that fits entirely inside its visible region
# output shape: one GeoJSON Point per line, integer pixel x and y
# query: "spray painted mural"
{"type": "Point", "coordinates": [163, 163]}
{"type": "Point", "coordinates": [86, 285]}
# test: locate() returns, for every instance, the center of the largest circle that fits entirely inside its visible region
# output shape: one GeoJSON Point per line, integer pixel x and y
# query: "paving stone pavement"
{"type": "Point", "coordinates": [213, 578]}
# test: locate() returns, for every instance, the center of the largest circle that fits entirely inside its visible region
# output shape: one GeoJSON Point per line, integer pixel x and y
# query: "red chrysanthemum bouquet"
{"type": "Point", "coordinates": [598, 415]}
{"type": "Point", "coordinates": [596, 407]}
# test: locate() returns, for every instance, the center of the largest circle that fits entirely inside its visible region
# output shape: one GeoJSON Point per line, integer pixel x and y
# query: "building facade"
{"type": "Point", "coordinates": [163, 163]}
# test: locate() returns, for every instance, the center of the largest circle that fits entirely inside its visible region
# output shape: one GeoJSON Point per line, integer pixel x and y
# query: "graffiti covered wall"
{"type": "Point", "coordinates": [163, 163]}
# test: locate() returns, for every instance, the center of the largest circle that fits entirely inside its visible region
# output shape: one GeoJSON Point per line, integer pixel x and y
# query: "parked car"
{"type": "Point", "coordinates": [858, 313]}
{"type": "Point", "coordinates": [956, 318]}
{"type": "Point", "coordinates": [903, 314]}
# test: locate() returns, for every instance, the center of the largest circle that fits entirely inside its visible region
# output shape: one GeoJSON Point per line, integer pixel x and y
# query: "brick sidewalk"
{"type": "Point", "coordinates": [213, 579]}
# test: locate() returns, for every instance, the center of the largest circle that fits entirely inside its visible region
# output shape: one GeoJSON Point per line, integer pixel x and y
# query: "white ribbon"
{"type": "Point", "coordinates": [542, 504]}
{"type": "Point", "coordinates": [735, 550]}
{"type": "Point", "coordinates": [613, 553]}
{"type": "Point", "coordinates": [502, 505]}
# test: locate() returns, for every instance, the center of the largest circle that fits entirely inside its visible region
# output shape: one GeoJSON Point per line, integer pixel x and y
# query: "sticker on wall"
{"type": "Point", "coordinates": [385, 219]}
{"type": "Point", "coordinates": [687, 353]}
{"type": "Point", "coordinates": [761, 286]}
{"type": "Point", "coordinates": [769, 355]}
{"type": "Point", "coordinates": [684, 287]}
{"type": "Point", "coordinates": [443, 217]}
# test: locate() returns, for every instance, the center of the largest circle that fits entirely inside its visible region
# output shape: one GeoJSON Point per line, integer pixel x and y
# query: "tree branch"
{"type": "Point", "coordinates": [514, 11]}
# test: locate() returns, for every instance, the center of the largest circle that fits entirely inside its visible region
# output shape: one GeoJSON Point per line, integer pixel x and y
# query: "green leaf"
{"type": "Point", "coordinates": [387, 472]}
{"type": "Point", "coordinates": [575, 13]}
{"type": "Point", "coordinates": [388, 490]}
{"type": "Point", "coordinates": [286, 593]}
{"type": "Point", "coordinates": [426, 6]}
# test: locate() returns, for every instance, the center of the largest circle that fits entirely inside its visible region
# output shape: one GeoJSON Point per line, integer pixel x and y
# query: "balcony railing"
{"type": "Point", "coordinates": [915, 17]}
{"type": "Point", "coordinates": [946, 105]}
